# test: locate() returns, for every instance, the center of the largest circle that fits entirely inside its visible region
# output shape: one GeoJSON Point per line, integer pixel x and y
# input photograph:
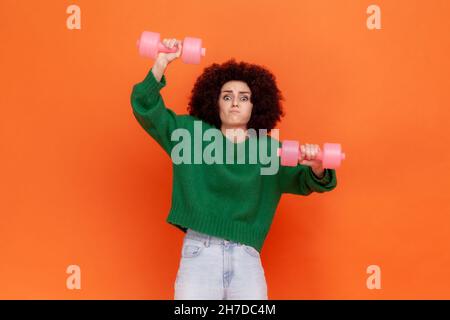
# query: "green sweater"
{"type": "Point", "coordinates": [232, 201]}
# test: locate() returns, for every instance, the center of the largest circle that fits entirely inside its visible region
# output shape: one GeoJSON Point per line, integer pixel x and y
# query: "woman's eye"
{"type": "Point", "coordinates": [245, 98]}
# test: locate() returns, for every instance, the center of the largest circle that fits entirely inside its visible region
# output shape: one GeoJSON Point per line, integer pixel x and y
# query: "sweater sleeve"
{"type": "Point", "coordinates": [151, 112]}
{"type": "Point", "coordinates": [301, 180]}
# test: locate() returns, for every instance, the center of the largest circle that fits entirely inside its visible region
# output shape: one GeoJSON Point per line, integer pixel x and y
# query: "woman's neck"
{"type": "Point", "coordinates": [236, 134]}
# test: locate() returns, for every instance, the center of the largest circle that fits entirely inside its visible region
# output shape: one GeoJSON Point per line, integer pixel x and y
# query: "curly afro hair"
{"type": "Point", "coordinates": [266, 97]}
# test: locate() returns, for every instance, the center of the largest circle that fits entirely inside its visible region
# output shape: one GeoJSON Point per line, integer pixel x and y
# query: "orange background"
{"type": "Point", "coordinates": [83, 184]}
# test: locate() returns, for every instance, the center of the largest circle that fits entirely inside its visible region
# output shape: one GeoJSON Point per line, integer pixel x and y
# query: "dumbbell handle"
{"type": "Point", "coordinates": [163, 48]}
{"type": "Point", "coordinates": [318, 157]}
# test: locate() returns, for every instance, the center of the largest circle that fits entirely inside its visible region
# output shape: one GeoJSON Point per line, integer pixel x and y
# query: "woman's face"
{"type": "Point", "coordinates": [235, 105]}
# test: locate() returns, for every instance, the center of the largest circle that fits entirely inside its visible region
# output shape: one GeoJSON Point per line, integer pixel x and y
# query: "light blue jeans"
{"type": "Point", "coordinates": [212, 268]}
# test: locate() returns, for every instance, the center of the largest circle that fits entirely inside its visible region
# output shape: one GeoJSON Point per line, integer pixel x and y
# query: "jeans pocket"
{"type": "Point", "coordinates": [251, 251]}
{"type": "Point", "coordinates": [191, 250]}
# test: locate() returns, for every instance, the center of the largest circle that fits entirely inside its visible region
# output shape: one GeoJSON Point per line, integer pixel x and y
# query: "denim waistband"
{"type": "Point", "coordinates": [207, 239]}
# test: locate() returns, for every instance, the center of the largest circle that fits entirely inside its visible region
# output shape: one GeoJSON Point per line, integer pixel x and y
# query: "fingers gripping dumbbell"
{"type": "Point", "coordinates": [149, 46]}
{"type": "Point", "coordinates": [290, 154]}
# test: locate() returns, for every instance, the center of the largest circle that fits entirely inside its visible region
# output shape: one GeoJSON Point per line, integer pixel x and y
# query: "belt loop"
{"type": "Point", "coordinates": [207, 241]}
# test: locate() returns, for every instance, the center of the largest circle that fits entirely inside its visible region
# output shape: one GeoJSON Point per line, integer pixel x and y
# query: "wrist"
{"type": "Point", "coordinates": [158, 69]}
{"type": "Point", "coordinates": [161, 63]}
{"type": "Point", "coordinates": [319, 172]}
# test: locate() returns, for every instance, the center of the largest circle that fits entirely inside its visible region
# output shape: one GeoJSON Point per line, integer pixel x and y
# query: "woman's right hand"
{"type": "Point", "coordinates": [166, 58]}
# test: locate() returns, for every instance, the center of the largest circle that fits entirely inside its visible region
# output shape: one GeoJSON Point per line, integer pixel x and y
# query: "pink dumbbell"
{"type": "Point", "coordinates": [149, 46]}
{"type": "Point", "coordinates": [330, 155]}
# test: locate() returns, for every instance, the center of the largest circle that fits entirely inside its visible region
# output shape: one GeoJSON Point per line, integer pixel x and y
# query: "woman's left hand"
{"type": "Point", "coordinates": [309, 154]}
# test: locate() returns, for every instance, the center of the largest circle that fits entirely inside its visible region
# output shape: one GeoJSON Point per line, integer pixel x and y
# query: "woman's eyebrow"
{"type": "Point", "coordinates": [232, 91]}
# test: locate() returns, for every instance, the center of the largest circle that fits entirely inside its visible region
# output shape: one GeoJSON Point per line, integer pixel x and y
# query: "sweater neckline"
{"type": "Point", "coordinates": [248, 137]}
{"type": "Point", "coordinates": [236, 143]}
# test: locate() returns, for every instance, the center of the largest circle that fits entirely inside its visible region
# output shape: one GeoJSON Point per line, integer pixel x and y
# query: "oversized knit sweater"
{"type": "Point", "coordinates": [234, 201]}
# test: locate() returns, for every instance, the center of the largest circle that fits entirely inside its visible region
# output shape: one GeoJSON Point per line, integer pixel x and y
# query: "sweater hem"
{"type": "Point", "coordinates": [210, 224]}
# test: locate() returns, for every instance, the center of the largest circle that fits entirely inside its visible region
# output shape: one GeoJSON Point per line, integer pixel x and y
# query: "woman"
{"type": "Point", "coordinates": [225, 208]}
